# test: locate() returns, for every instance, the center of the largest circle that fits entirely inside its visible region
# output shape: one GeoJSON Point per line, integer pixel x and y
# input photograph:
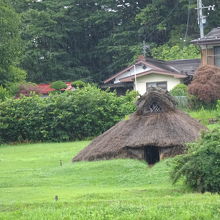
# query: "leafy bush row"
{"type": "Point", "coordinates": [68, 116]}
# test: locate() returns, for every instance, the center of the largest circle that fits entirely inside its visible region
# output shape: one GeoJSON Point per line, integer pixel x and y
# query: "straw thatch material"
{"type": "Point", "coordinates": [156, 123]}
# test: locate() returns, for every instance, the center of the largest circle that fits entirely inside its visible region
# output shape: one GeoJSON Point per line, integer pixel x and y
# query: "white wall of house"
{"type": "Point", "coordinates": [131, 72]}
{"type": "Point", "coordinates": [143, 80]}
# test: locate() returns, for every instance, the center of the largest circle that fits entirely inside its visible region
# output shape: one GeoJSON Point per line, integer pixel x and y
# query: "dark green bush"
{"type": "Point", "coordinates": [58, 85]}
{"type": "Point", "coordinates": [200, 167]}
{"type": "Point", "coordinates": [72, 115]}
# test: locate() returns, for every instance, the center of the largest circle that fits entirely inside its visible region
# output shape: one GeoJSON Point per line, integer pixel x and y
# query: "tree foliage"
{"type": "Point", "coordinates": [200, 167]}
{"type": "Point", "coordinates": [90, 40]}
{"type": "Point", "coordinates": [206, 84]}
{"type": "Point", "coordinates": [3, 93]}
{"type": "Point", "coordinates": [10, 45]}
{"type": "Point", "coordinates": [168, 52]}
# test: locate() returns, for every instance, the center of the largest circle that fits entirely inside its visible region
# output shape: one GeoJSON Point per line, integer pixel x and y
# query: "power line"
{"type": "Point", "coordinates": [188, 18]}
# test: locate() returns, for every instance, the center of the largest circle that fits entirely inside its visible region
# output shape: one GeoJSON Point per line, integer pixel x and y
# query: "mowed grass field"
{"type": "Point", "coordinates": [31, 177]}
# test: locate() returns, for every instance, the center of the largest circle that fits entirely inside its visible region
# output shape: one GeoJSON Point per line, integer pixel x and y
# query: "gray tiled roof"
{"type": "Point", "coordinates": [212, 37]}
{"type": "Point", "coordinates": [183, 67]}
{"type": "Point", "coordinates": [161, 64]}
{"type": "Point", "coordinates": [187, 67]}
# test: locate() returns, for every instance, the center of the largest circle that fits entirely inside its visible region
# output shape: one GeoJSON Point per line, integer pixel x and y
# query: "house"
{"type": "Point", "coordinates": [148, 72]}
{"type": "Point", "coordinates": [210, 47]}
{"type": "Point", "coordinates": [155, 131]}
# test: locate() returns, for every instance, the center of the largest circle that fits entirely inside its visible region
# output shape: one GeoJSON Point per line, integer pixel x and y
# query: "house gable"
{"type": "Point", "coordinates": [141, 66]}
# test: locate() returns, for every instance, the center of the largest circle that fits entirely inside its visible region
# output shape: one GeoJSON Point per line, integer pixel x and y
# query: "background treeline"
{"type": "Point", "coordinates": [91, 39]}
{"type": "Point", "coordinates": [72, 115]}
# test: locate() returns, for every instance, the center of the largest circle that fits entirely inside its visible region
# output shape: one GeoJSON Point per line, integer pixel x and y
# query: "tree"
{"type": "Point", "coordinates": [10, 45]}
{"type": "Point", "coordinates": [49, 54]}
{"type": "Point", "coordinates": [90, 40]}
{"type": "Point", "coordinates": [74, 39]}
{"type": "Point", "coordinates": [167, 52]}
{"type": "Point", "coordinates": [206, 84]}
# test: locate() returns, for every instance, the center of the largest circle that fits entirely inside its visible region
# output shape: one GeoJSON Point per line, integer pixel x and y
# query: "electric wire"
{"type": "Point", "coordinates": [171, 11]}
{"type": "Point", "coordinates": [188, 18]}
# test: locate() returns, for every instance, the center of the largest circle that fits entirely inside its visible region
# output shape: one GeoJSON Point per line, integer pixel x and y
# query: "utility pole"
{"type": "Point", "coordinates": [135, 78]}
{"type": "Point", "coordinates": [145, 48]}
{"type": "Point", "coordinates": [201, 17]}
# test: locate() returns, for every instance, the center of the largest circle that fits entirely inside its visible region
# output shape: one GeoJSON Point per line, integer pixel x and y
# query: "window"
{"type": "Point", "coordinates": [154, 107]}
{"type": "Point", "coordinates": [217, 55]}
{"type": "Point", "coordinates": [162, 85]}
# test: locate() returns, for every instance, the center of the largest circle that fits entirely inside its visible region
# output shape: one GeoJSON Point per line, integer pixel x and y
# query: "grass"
{"type": "Point", "coordinates": [203, 115]}
{"type": "Point", "coordinates": [31, 176]}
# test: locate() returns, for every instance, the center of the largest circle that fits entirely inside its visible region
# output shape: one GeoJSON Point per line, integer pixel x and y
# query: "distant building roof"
{"type": "Point", "coordinates": [212, 37]}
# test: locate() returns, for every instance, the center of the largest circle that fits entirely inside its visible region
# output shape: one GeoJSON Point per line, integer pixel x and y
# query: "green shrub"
{"type": "Point", "coordinates": [78, 84]}
{"type": "Point", "coordinates": [179, 90]}
{"type": "Point", "coordinates": [72, 115]}
{"type": "Point", "coordinates": [58, 85]}
{"type": "Point", "coordinates": [200, 167]}
{"type": "Point", "coordinates": [3, 94]}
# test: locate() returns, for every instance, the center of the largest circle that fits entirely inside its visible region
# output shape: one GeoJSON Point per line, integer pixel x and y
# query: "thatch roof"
{"type": "Point", "coordinates": [156, 122]}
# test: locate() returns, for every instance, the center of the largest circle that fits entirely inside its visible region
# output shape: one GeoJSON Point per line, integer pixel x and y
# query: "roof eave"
{"type": "Point", "coordinates": [205, 42]}
{"type": "Point", "coordinates": [131, 78]}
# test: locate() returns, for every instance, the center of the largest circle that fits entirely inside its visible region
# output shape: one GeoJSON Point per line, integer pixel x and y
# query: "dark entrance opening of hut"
{"type": "Point", "coordinates": [151, 155]}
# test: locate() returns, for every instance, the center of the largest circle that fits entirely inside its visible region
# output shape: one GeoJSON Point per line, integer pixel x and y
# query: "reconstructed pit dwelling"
{"type": "Point", "coordinates": [155, 131]}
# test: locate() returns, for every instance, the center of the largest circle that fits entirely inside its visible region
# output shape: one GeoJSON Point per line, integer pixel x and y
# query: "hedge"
{"type": "Point", "coordinates": [72, 115]}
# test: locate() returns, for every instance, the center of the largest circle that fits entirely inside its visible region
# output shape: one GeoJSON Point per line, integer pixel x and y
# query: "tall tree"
{"type": "Point", "coordinates": [10, 45]}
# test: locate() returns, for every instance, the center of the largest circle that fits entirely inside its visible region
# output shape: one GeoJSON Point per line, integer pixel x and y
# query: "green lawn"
{"type": "Point", "coordinates": [31, 176]}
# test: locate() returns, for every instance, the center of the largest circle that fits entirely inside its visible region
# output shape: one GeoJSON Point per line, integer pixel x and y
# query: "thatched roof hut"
{"type": "Point", "coordinates": [156, 130]}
